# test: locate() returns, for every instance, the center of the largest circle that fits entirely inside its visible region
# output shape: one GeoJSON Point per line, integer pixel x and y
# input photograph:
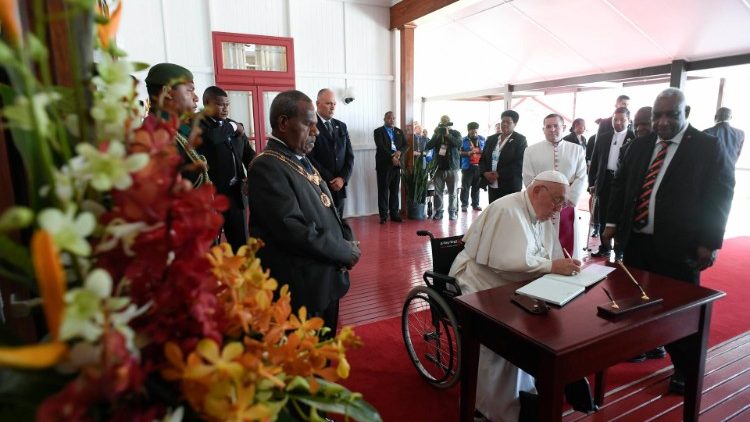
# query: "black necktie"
{"type": "Point", "coordinates": [306, 164]}
{"type": "Point", "coordinates": [329, 127]}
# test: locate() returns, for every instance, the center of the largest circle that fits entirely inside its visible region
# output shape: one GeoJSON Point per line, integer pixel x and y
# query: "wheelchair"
{"type": "Point", "coordinates": [428, 321]}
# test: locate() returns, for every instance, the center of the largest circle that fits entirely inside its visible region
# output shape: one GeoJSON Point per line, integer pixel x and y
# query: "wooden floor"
{"type": "Point", "coordinates": [393, 261]}
{"type": "Point", "coordinates": [726, 391]}
{"type": "Point", "coordinates": [394, 258]}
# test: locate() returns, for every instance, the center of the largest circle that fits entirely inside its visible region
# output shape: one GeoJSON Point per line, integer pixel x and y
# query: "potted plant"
{"type": "Point", "coordinates": [415, 179]}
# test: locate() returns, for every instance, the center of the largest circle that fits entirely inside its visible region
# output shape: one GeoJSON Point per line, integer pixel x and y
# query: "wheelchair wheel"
{"type": "Point", "coordinates": [432, 340]}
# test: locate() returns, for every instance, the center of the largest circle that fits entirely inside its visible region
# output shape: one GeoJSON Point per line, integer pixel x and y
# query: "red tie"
{"type": "Point", "coordinates": [641, 211]}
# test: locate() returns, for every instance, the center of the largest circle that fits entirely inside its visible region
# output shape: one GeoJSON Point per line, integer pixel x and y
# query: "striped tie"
{"type": "Point", "coordinates": [641, 211]}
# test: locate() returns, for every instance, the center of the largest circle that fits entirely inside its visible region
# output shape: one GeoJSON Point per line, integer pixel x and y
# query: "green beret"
{"type": "Point", "coordinates": [472, 125]}
{"type": "Point", "coordinates": [168, 74]}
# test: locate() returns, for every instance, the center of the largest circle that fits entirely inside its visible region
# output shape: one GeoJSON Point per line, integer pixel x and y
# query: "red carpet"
{"type": "Point", "coordinates": [382, 371]}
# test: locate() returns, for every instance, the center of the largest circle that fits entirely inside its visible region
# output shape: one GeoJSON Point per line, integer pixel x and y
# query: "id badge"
{"type": "Point", "coordinates": [443, 150]}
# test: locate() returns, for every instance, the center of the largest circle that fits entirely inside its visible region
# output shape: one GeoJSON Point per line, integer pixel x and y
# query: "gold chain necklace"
{"type": "Point", "coordinates": [194, 157]}
{"type": "Point", "coordinates": [314, 178]}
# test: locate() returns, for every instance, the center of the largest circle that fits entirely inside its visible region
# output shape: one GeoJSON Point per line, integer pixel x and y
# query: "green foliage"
{"type": "Point", "coordinates": [333, 398]}
{"type": "Point", "coordinates": [415, 179]}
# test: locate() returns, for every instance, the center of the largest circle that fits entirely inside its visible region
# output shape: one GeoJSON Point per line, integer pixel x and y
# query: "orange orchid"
{"type": "Point", "coordinates": [9, 20]}
{"type": "Point", "coordinates": [51, 279]}
{"type": "Point", "coordinates": [107, 31]}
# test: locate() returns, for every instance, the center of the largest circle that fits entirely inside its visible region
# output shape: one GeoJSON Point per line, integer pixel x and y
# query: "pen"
{"type": "Point", "coordinates": [567, 255]}
{"type": "Point", "coordinates": [645, 296]}
{"type": "Point", "coordinates": [614, 304]}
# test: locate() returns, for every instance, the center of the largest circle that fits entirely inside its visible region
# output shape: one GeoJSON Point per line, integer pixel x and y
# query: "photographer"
{"type": "Point", "coordinates": [446, 143]}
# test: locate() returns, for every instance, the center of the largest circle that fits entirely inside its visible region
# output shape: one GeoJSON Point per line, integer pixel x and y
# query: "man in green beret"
{"type": "Point", "coordinates": [172, 98]}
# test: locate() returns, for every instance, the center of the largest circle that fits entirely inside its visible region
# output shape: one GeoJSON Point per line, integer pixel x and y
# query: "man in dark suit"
{"type": "Point", "coordinates": [228, 153]}
{"type": "Point", "coordinates": [332, 155]}
{"type": "Point", "coordinates": [604, 163]}
{"type": "Point", "coordinates": [605, 123]}
{"type": "Point", "coordinates": [307, 246]}
{"type": "Point", "coordinates": [390, 144]}
{"type": "Point", "coordinates": [730, 138]}
{"type": "Point", "coordinates": [502, 159]}
{"type": "Point", "coordinates": [670, 201]}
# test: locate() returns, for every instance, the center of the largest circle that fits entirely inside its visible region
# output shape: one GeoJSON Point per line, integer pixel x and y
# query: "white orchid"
{"type": "Point", "coordinates": [68, 230]}
{"type": "Point", "coordinates": [118, 230]}
{"type": "Point", "coordinates": [109, 169]}
{"type": "Point", "coordinates": [114, 77]}
{"type": "Point", "coordinates": [86, 307]}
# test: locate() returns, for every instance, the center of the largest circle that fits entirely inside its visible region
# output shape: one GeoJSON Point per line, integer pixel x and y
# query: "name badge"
{"type": "Point", "coordinates": [443, 150]}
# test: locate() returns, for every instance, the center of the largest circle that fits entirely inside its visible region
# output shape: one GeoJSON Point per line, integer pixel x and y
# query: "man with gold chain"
{"type": "Point", "coordinates": [308, 246]}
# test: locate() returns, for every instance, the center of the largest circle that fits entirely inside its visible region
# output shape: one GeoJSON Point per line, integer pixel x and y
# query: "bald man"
{"type": "Point", "coordinates": [332, 154]}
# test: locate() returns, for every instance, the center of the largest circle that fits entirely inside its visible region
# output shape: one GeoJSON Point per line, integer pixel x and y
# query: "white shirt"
{"type": "Point", "coordinates": [496, 155]}
{"type": "Point", "coordinates": [671, 150]}
{"type": "Point", "coordinates": [505, 243]}
{"type": "Point", "coordinates": [618, 138]}
{"type": "Point", "coordinates": [565, 157]}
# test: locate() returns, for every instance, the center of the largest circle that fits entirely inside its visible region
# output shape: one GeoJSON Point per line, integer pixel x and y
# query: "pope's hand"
{"type": "Point", "coordinates": [566, 266]}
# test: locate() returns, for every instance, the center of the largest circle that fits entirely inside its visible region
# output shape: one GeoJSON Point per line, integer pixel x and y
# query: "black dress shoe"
{"type": "Point", "coordinates": [382, 220]}
{"type": "Point", "coordinates": [396, 219]}
{"type": "Point", "coordinates": [600, 253]}
{"type": "Point", "coordinates": [529, 407]}
{"type": "Point", "coordinates": [578, 394]}
{"type": "Point", "coordinates": [677, 384]}
{"type": "Point", "coordinates": [638, 359]}
{"type": "Point", "coordinates": [657, 353]}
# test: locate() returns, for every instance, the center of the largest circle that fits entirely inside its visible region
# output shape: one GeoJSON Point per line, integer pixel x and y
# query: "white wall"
{"type": "Point", "coordinates": [338, 44]}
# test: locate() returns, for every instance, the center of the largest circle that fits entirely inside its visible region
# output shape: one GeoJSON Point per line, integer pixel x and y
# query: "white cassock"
{"type": "Point", "coordinates": [567, 158]}
{"type": "Point", "coordinates": [505, 244]}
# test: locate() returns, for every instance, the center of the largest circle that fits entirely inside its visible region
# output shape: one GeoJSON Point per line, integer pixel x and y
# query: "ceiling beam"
{"type": "Point", "coordinates": [408, 11]}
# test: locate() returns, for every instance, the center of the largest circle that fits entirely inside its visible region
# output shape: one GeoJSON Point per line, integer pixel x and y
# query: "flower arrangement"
{"type": "Point", "coordinates": [145, 319]}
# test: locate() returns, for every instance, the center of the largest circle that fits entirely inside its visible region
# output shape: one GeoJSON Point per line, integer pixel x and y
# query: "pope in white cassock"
{"type": "Point", "coordinates": [512, 240]}
{"type": "Point", "coordinates": [567, 158]}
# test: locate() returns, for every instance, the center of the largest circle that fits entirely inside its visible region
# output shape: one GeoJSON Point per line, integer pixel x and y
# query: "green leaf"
{"type": "Point", "coordinates": [138, 66]}
{"type": "Point", "coordinates": [36, 49]}
{"type": "Point", "coordinates": [15, 255]}
{"type": "Point", "coordinates": [344, 403]}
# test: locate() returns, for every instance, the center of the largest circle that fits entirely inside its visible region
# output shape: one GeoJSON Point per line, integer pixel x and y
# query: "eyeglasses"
{"type": "Point", "coordinates": [558, 202]}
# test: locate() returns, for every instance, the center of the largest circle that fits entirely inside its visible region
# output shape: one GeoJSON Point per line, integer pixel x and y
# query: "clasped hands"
{"type": "Point", "coordinates": [336, 184]}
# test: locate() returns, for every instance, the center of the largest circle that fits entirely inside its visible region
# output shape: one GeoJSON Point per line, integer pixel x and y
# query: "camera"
{"type": "Point", "coordinates": [444, 127]}
{"type": "Point", "coordinates": [349, 95]}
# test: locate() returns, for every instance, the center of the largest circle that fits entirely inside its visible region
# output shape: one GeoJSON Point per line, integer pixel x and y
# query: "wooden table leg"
{"type": "Point", "coordinates": [469, 362]}
{"type": "Point", "coordinates": [601, 380]}
{"type": "Point", "coordinates": [696, 363]}
{"type": "Point", "coordinates": [550, 395]}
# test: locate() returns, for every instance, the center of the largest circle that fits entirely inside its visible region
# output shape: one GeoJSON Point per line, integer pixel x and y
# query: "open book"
{"type": "Point", "coordinates": [561, 289]}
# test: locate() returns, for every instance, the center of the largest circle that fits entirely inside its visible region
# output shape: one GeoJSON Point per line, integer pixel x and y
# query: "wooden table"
{"type": "Point", "coordinates": [571, 342]}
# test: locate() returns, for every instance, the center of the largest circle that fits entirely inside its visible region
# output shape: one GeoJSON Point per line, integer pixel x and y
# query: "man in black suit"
{"type": "Point", "coordinates": [332, 155]}
{"type": "Point", "coordinates": [390, 144]}
{"type": "Point", "coordinates": [605, 123]}
{"type": "Point", "coordinates": [502, 159]}
{"type": "Point", "coordinates": [642, 125]}
{"type": "Point", "coordinates": [228, 153]}
{"type": "Point", "coordinates": [604, 163]}
{"type": "Point", "coordinates": [670, 201]}
{"type": "Point", "coordinates": [307, 245]}
{"type": "Point", "coordinates": [730, 138]}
